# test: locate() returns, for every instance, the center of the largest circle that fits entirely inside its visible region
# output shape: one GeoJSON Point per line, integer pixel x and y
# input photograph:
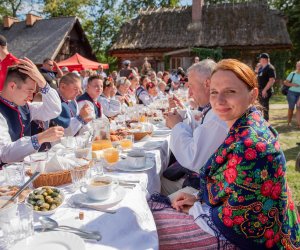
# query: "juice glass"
{"type": "Point", "coordinates": [127, 142]}
{"type": "Point", "coordinates": [101, 144]}
{"type": "Point", "coordinates": [111, 155]}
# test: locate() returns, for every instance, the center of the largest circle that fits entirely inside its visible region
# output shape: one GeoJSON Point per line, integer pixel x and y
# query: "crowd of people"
{"type": "Point", "coordinates": [223, 148]}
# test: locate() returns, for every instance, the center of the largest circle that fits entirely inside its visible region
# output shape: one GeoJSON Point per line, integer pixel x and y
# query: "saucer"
{"type": "Point", "coordinates": [117, 195]}
{"type": "Point", "coordinates": [123, 166]}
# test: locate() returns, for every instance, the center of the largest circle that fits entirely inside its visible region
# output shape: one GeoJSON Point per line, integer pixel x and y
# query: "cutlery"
{"type": "Point", "coordinates": [78, 204]}
{"type": "Point", "coordinates": [82, 235]}
{"type": "Point", "coordinates": [50, 224]}
{"type": "Point", "coordinates": [31, 179]}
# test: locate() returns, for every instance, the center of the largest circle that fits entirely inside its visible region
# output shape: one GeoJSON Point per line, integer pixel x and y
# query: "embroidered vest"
{"type": "Point", "coordinates": [18, 120]}
{"type": "Point", "coordinates": [69, 110]}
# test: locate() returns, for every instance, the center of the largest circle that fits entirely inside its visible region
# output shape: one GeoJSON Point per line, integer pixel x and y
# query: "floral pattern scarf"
{"type": "Point", "coordinates": [245, 185]}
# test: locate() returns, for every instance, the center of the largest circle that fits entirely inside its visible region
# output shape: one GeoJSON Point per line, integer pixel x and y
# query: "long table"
{"type": "Point", "coordinates": [132, 226]}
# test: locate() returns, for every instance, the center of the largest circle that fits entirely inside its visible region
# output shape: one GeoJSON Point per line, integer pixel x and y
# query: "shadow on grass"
{"type": "Point", "coordinates": [291, 153]}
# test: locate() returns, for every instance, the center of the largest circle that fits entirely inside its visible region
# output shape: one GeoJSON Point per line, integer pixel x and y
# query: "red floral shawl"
{"type": "Point", "coordinates": [245, 185]}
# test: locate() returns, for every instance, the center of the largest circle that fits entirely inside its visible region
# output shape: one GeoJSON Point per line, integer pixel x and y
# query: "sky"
{"type": "Point", "coordinates": [186, 2]}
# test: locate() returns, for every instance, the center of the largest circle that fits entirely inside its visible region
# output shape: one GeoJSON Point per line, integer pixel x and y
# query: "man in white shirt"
{"type": "Point", "coordinates": [16, 113]}
{"type": "Point", "coordinates": [71, 118]}
{"type": "Point", "coordinates": [192, 148]}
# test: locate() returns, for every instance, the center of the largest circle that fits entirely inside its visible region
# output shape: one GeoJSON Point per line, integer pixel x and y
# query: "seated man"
{"type": "Point", "coordinates": [94, 89]}
{"type": "Point", "coordinates": [16, 113]}
{"type": "Point", "coordinates": [192, 148]}
{"type": "Point", "coordinates": [70, 117]}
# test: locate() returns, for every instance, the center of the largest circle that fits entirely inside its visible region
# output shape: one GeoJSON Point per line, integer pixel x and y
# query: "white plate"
{"type": "Point", "coordinates": [50, 241]}
{"type": "Point", "coordinates": [158, 133]}
{"type": "Point", "coordinates": [117, 196]}
{"type": "Point", "coordinates": [123, 166]}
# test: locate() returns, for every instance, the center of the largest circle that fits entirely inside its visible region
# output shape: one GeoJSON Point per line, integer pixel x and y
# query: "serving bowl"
{"type": "Point", "coordinates": [45, 200]}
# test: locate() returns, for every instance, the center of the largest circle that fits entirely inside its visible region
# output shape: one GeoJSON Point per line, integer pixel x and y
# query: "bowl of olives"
{"type": "Point", "coordinates": [45, 200]}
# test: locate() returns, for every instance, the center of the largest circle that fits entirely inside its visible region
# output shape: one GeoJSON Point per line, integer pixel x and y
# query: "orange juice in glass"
{"type": "Point", "coordinates": [101, 144]}
{"type": "Point", "coordinates": [111, 155]}
{"type": "Point", "coordinates": [143, 118]}
{"type": "Point", "coordinates": [127, 142]}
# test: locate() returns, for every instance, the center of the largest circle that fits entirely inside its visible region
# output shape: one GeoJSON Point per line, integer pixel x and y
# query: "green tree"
{"type": "Point", "coordinates": [56, 8]}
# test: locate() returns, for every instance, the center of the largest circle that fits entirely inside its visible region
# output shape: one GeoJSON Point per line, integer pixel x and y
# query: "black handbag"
{"type": "Point", "coordinates": [284, 88]}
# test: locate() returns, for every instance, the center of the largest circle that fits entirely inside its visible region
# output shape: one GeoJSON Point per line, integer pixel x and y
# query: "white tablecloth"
{"type": "Point", "coordinates": [133, 226]}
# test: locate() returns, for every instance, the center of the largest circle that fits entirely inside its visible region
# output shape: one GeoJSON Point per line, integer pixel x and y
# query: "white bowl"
{"type": "Point", "coordinates": [49, 211]}
{"type": "Point", "coordinates": [10, 209]}
{"type": "Point", "coordinates": [136, 158]}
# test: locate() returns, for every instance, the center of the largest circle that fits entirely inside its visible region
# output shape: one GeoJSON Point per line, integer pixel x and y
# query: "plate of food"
{"type": "Point", "coordinates": [45, 200]}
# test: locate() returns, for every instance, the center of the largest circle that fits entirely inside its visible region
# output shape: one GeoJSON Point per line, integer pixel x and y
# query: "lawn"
{"type": "Point", "coordinates": [288, 136]}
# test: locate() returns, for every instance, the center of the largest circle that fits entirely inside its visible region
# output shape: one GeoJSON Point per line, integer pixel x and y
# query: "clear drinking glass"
{"type": "Point", "coordinates": [79, 176]}
{"type": "Point", "coordinates": [17, 226]}
{"type": "Point", "coordinates": [14, 174]}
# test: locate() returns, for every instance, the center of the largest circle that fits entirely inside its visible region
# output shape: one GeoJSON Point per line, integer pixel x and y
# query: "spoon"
{"type": "Point", "coordinates": [50, 224]}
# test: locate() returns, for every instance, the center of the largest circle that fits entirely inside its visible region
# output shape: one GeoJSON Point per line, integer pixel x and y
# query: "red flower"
{"type": "Point", "coordinates": [248, 142]}
{"type": "Point", "coordinates": [237, 220]}
{"type": "Point", "coordinates": [248, 179]}
{"type": "Point", "coordinates": [219, 159]}
{"type": "Point", "coordinates": [277, 237]}
{"type": "Point", "coordinates": [250, 122]}
{"type": "Point", "coordinates": [228, 190]}
{"type": "Point", "coordinates": [261, 147]}
{"type": "Point", "coordinates": [279, 172]}
{"type": "Point", "coordinates": [230, 175]}
{"type": "Point", "coordinates": [269, 234]}
{"type": "Point", "coordinates": [241, 199]}
{"type": "Point", "coordinates": [227, 211]}
{"type": "Point", "coordinates": [224, 152]}
{"type": "Point", "coordinates": [227, 221]}
{"type": "Point", "coordinates": [270, 243]}
{"type": "Point", "coordinates": [244, 133]}
{"type": "Point", "coordinates": [277, 146]}
{"type": "Point", "coordinates": [262, 218]}
{"type": "Point", "coordinates": [270, 158]}
{"type": "Point", "coordinates": [276, 191]}
{"type": "Point", "coordinates": [292, 205]}
{"type": "Point", "coordinates": [250, 154]}
{"type": "Point", "coordinates": [256, 117]}
{"type": "Point", "coordinates": [266, 188]}
{"type": "Point", "coordinates": [234, 160]}
{"type": "Point", "coordinates": [221, 185]}
{"type": "Point", "coordinates": [229, 140]}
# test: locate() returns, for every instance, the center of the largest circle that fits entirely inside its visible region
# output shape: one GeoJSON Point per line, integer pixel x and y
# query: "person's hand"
{"type": "Point", "coordinates": [121, 99]}
{"type": "Point", "coordinates": [264, 93]}
{"type": "Point", "coordinates": [174, 102]}
{"type": "Point", "coordinates": [27, 67]}
{"type": "Point", "coordinates": [183, 202]}
{"type": "Point", "coordinates": [85, 113]}
{"type": "Point", "coordinates": [172, 119]}
{"type": "Point", "coordinates": [55, 64]}
{"type": "Point", "coordinates": [51, 134]}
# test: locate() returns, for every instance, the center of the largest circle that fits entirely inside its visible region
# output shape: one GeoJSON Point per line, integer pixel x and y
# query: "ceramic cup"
{"type": "Point", "coordinates": [136, 158]}
{"type": "Point", "coordinates": [99, 188]}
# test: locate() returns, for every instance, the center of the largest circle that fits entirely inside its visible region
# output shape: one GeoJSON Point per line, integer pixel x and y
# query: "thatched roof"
{"type": "Point", "coordinates": [44, 39]}
{"type": "Point", "coordinates": [225, 25]}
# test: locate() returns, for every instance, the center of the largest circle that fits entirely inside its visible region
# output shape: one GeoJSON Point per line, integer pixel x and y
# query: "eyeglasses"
{"type": "Point", "coordinates": [51, 65]}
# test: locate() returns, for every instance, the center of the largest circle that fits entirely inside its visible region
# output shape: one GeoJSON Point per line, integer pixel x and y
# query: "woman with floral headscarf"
{"type": "Point", "coordinates": [244, 200]}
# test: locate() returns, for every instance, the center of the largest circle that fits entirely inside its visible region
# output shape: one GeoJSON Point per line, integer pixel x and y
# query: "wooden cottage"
{"type": "Point", "coordinates": [172, 35]}
{"type": "Point", "coordinates": [37, 38]}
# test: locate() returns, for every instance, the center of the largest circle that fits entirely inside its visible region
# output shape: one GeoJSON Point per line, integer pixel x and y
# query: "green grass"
{"type": "Point", "coordinates": [278, 99]}
{"type": "Point", "coordinates": [288, 136]}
